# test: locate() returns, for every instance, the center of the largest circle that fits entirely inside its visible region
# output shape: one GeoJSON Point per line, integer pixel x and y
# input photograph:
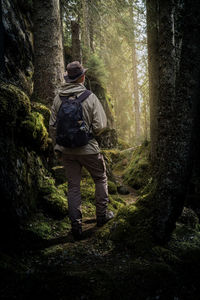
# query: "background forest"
{"type": "Point", "coordinates": [143, 61]}
{"type": "Point", "coordinates": [114, 49]}
{"type": "Point", "coordinates": [104, 37]}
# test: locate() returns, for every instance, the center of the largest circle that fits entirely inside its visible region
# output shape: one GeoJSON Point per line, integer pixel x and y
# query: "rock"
{"type": "Point", "coordinates": [123, 190]}
{"type": "Point", "coordinates": [19, 44]}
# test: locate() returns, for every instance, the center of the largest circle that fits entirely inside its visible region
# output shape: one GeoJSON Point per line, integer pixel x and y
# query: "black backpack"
{"type": "Point", "coordinates": [71, 130]}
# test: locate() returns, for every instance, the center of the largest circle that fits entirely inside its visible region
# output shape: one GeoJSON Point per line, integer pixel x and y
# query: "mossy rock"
{"type": "Point", "coordinates": [43, 110]}
{"type": "Point", "coordinates": [46, 185]}
{"type": "Point", "coordinates": [132, 227]}
{"type": "Point", "coordinates": [53, 199]}
{"type": "Point", "coordinates": [55, 204]}
{"type": "Point", "coordinates": [34, 131]}
{"type": "Point", "coordinates": [15, 105]}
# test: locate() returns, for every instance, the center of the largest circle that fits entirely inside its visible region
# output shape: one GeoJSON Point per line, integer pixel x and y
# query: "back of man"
{"type": "Point", "coordinates": [88, 156]}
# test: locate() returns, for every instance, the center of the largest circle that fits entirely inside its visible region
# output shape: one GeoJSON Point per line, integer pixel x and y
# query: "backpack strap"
{"type": "Point", "coordinates": [63, 98]}
{"type": "Point", "coordinates": [83, 96]}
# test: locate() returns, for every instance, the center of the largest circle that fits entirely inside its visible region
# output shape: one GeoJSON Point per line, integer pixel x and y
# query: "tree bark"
{"type": "Point", "coordinates": [85, 29]}
{"type": "Point", "coordinates": [49, 62]}
{"type": "Point", "coordinates": [153, 68]}
{"type": "Point", "coordinates": [177, 115]}
{"type": "Point", "coordinates": [76, 44]}
{"type": "Point", "coordinates": [135, 79]}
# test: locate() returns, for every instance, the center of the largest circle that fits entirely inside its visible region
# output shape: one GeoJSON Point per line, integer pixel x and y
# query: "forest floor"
{"type": "Point", "coordinates": [52, 266]}
{"type": "Point", "coordinates": [57, 267]}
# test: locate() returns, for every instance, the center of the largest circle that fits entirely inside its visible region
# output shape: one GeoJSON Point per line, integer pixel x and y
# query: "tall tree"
{"type": "Point", "coordinates": [49, 62]}
{"type": "Point", "coordinates": [153, 67]}
{"type": "Point", "coordinates": [178, 100]}
{"type": "Point", "coordinates": [85, 28]}
{"type": "Point", "coordinates": [76, 43]}
{"type": "Point", "coordinates": [135, 77]}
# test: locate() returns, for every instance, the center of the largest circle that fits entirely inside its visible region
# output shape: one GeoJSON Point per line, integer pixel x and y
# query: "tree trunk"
{"type": "Point", "coordinates": [91, 28]}
{"type": "Point", "coordinates": [76, 44]}
{"type": "Point", "coordinates": [153, 67]}
{"type": "Point", "coordinates": [85, 29]}
{"type": "Point", "coordinates": [177, 114]}
{"type": "Point", "coordinates": [145, 119]}
{"type": "Point", "coordinates": [49, 63]}
{"type": "Point", "coordinates": [135, 79]}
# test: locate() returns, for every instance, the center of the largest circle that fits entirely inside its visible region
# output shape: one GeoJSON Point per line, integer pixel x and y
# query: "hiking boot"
{"type": "Point", "coordinates": [101, 220]}
{"type": "Point", "coordinates": [77, 232]}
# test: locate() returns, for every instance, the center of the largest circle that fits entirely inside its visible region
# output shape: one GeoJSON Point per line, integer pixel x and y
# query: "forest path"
{"type": "Point", "coordinates": [132, 196]}
{"type": "Point", "coordinates": [89, 224]}
{"type": "Point", "coordinates": [63, 252]}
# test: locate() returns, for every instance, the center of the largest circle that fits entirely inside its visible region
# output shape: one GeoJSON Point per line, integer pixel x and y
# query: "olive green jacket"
{"type": "Point", "coordinates": [93, 115]}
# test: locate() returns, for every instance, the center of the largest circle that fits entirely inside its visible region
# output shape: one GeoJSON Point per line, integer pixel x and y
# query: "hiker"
{"type": "Point", "coordinates": [79, 148]}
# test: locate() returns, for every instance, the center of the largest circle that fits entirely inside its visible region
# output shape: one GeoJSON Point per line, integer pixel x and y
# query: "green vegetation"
{"type": "Point", "coordinates": [112, 187]}
{"type": "Point", "coordinates": [43, 110]}
{"type": "Point", "coordinates": [34, 130]}
{"type": "Point", "coordinates": [138, 171]}
{"type": "Point", "coordinates": [44, 227]}
{"type": "Point", "coordinates": [15, 105]}
{"type": "Point", "coordinates": [96, 73]}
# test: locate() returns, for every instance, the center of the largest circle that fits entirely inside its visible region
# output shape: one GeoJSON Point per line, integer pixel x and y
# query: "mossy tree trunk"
{"type": "Point", "coordinates": [49, 62]}
{"type": "Point", "coordinates": [177, 112]}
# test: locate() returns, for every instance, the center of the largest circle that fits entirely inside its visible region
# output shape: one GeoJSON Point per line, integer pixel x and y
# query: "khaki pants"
{"type": "Point", "coordinates": [95, 164]}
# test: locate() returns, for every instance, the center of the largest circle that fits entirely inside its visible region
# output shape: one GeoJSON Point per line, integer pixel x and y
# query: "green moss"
{"type": "Point", "coordinates": [138, 172]}
{"type": "Point", "coordinates": [114, 204]}
{"type": "Point", "coordinates": [43, 110]}
{"type": "Point", "coordinates": [54, 200]}
{"type": "Point", "coordinates": [34, 131]}
{"type": "Point", "coordinates": [87, 190]}
{"type": "Point", "coordinates": [41, 229]}
{"type": "Point", "coordinates": [112, 188]}
{"type": "Point", "coordinates": [46, 185]}
{"type": "Point", "coordinates": [132, 225]}
{"type": "Point", "coordinates": [119, 199]}
{"type": "Point", "coordinates": [15, 105]}
{"type": "Point", "coordinates": [44, 227]}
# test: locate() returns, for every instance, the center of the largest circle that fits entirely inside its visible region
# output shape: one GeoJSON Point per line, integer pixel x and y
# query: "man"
{"type": "Point", "coordinates": [88, 156]}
